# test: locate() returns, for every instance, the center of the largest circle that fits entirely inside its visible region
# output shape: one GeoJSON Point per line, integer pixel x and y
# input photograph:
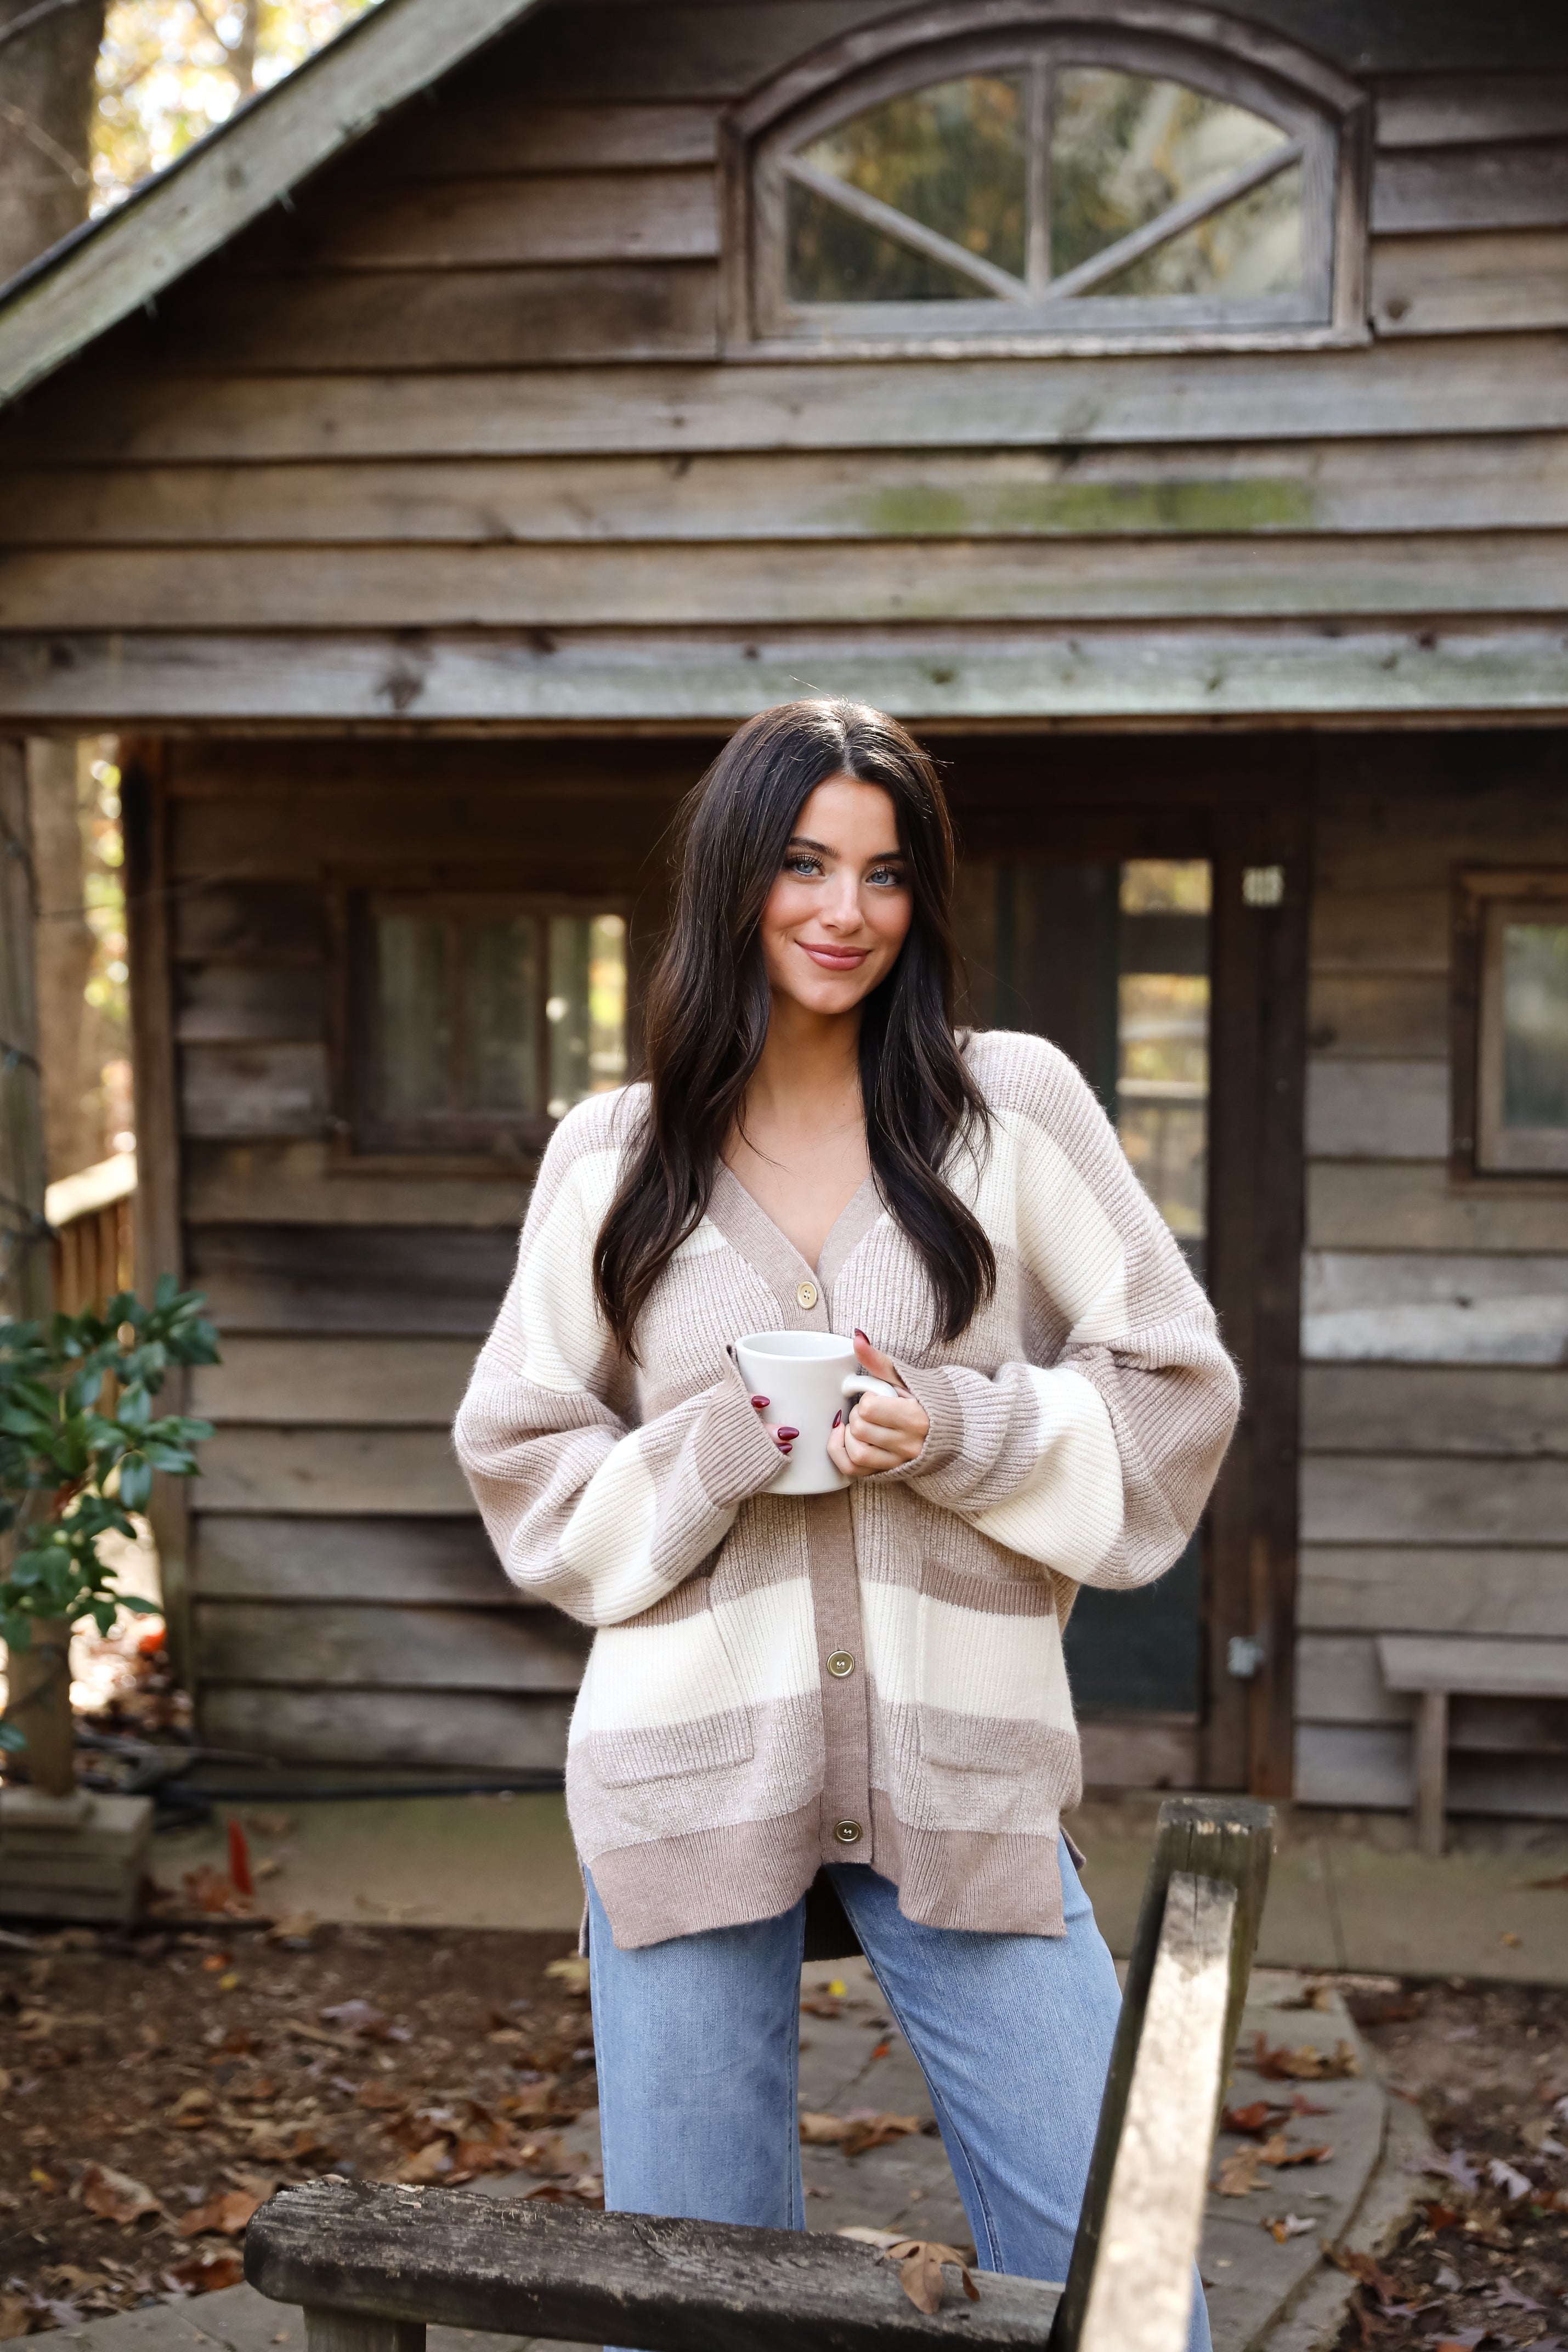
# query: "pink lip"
{"type": "Point", "coordinates": [835, 959]}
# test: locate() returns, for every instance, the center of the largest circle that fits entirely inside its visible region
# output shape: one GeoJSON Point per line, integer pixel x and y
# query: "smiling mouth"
{"type": "Point", "coordinates": [835, 959]}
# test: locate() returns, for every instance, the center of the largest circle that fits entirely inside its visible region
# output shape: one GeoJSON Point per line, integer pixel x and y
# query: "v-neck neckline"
{"type": "Point", "coordinates": [748, 1228]}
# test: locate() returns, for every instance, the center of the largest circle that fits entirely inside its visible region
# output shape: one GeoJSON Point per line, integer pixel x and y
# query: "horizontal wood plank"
{"type": "Point", "coordinates": [1348, 1498]}
{"type": "Point", "coordinates": [1479, 1667]}
{"type": "Point", "coordinates": [234, 1090]}
{"type": "Point", "coordinates": [394, 1562]}
{"type": "Point", "coordinates": [1520, 184]}
{"type": "Point", "coordinates": [489, 586]}
{"type": "Point", "coordinates": [1443, 1589]}
{"type": "Point", "coordinates": [1377, 1110]}
{"type": "Point", "coordinates": [248, 922]}
{"type": "Point", "coordinates": [1361, 485]}
{"type": "Point", "coordinates": [249, 1004]}
{"type": "Point", "coordinates": [1369, 1765]}
{"type": "Point", "coordinates": [1383, 834]}
{"type": "Point", "coordinates": [1469, 285]}
{"type": "Point", "coordinates": [326, 1382]}
{"type": "Point", "coordinates": [401, 321]}
{"type": "Point", "coordinates": [1408, 1306]}
{"type": "Point", "coordinates": [1515, 382]}
{"type": "Point", "coordinates": [1434, 1409]}
{"type": "Point", "coordinates": [601, 844]}
{"type": "Point", "coordinates": [461, 136]}
{"type": "Point", "coordinates": [272, 1468]}
{"type": "Point", "coordinates": [302, 1183]}
{"type": "Point", "coordinates": [1125, 1753]}
{"type": "Point", "coordinates": [368, 1279]}
{"type": "Point", "coordinates": [480, 1731]}
{"type": "Point", "coordinates": [668, 214]}
{"type": "Point", "coordinates": [1478, 109]}
{"type": "Point", "coordinates": [324, 1645]}
{"type": "Point", "coordinates": [1391, 929]}
{"type": "Point", "coordinates": [955, 676]}
{"type": "Point", "coordinates": [1338, 1681]}
{"type": "Point", "coordinates": [1413, 1205]}
{"type": "Point", "coordinates": [1400, 1016]}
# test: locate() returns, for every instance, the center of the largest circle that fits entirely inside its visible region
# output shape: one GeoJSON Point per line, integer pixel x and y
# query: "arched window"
{"type": "Point", "coordinates": [1051, 176]}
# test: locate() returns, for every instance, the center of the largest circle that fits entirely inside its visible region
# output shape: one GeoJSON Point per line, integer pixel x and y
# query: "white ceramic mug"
{"type": "Point", "coordinates": [806, 1377]}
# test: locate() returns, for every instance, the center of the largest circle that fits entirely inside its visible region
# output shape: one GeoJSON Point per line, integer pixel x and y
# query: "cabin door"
{"type": "Point", "coordinates": [1174, 983]}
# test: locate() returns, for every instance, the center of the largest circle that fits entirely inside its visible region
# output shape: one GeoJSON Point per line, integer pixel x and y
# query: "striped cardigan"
{"type": "Point", "coordinates": [1077, 1424]}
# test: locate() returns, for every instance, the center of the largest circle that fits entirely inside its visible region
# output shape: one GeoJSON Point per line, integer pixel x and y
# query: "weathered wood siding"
{"type": "Point", "coordinates": [345, 1607]}
{"type": "Point", "coordinates": [1434, 1476]}
{"type": "Point", "coordinates": [474, 386]}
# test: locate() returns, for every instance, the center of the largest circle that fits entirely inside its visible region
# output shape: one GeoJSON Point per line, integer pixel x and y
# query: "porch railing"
{"type": "Point", "coordinates": [91, 1215]}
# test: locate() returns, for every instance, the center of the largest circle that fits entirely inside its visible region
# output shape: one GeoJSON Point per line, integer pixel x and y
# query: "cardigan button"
{"type": "Point", "coordinates": [847, 1832]}
{"type": "Point", "coordinates": [806, 1295]}
{"type": "Point", "coordinates": [840, 1664]}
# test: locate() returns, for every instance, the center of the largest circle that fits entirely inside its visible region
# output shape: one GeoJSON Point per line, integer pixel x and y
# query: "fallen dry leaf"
{"type": "Point", "coordinates": [573, 1972]}
{"type": "Point", "coordinates": [15, 2318]}
{"type": "Point", "coordinates": [114, 2196]}
{"type": "Point", "coordinates": [224, 2216]}
{"type": "Point", "coordinates": [1307, 2064]}
{"type": "Point", "coordinates": [1367, 2269]}
{"type": "Point", "coordinates": [1278, 2152]}
{"type": "Point", "coordinates": [427, 2163]}
{"type": "Point", "coordinates": [877, 2131]}
{"type": "Point", "coordinates": [920, 2262]}
{"type": "Point", "coordinates": [822, 2004]}
{"type": "Point", "coordinates": [211, 1890]}
{"type": "Point", "coordinates": [1253, 2121]}
{"type": "Point", "coordinates": [823, 2131]}
{"type": "Point", "coordinates": [1239, 2172]}
{"type": "Point", "coordinates": [192, 2108]}
{"type": "Point", "coordinates": [206, 2273]}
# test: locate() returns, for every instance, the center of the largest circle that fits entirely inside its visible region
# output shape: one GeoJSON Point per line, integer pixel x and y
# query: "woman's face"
{"type": "Point", "coordinates": [838, 911]}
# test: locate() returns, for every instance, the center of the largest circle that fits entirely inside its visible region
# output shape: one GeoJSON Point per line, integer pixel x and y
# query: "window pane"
{"type": "Point", "coordinates": [414, 1034]}
{"type": "Point", "coordinates": [586, 1008]}
{"type": "Point", "coordinates": [500, 1009]}
{"type": "Point", "coordinates": [1124, 147]}
{"type": "Point", "coordinates": [1535, 1024]}
{"type": "Point", "coordinates": [1253, 246]}
{"type": "Point", "coordinates": [833, 259]}
{"type": "Point", "coordinates": [952, 157]}
{"type": "Point", "coordinates": [1162, 1088]}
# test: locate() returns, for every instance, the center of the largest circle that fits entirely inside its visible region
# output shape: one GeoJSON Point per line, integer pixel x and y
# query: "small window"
{"type": "Point", "coordinates": [1517, 934]}
{"type": "Point", "coordinates": [1024, 182]}
{"type": "Point", "coordinates": [482, 1020]}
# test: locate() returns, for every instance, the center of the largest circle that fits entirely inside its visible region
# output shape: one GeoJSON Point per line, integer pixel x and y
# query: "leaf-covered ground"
{"type": "Point", "coordinates": [156, 2088]}
{"type": "Point", "coordinates": [1484, 2261]}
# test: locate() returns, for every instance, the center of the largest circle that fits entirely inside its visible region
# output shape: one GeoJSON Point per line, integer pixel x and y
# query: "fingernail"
{"type": "Point", "coordinates": [789, 1432]}
{"type": "Point", "coordinates": [838, 1417]}
{"type": "Point", "coordinates": [861, 1335]}
{"type": "Point", "coordinates": [760, 1402]}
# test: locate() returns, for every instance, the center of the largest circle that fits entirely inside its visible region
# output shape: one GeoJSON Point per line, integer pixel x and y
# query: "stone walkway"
{"type": "Point", "coordinates": [906, 2186]}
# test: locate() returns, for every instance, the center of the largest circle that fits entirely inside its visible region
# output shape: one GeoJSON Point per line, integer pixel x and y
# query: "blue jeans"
{"type": "Point", "coordinates": [698, 2043]}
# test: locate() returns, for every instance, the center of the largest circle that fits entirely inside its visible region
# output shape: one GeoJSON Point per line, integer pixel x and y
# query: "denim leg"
{"type": "Point", "coordinates": [1013, 2034]}
{"type": "Point", "coordinates": [698, 2041]}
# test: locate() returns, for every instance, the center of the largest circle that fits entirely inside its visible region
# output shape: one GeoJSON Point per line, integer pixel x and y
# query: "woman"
{"type": "Point", "coordinates": [859, 1695]}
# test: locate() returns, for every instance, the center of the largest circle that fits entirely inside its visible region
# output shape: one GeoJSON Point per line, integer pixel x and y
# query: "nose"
{"type": "Point", "coordinates": [841, 911]}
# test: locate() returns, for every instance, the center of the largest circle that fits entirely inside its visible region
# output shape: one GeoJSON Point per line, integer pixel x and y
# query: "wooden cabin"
{"type": "Point", "coordinates": [1165, 409]}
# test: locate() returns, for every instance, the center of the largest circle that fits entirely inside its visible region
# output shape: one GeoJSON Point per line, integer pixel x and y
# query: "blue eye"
{"type": "Point", "coordinates": [887, 877]}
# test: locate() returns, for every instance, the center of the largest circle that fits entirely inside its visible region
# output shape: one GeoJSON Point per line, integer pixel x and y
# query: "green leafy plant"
{"type": "Point", "coordinates": [80, 1441]}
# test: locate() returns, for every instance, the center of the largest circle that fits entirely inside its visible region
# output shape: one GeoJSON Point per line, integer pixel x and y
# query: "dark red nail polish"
{"type": "Point", "coordinates": [789, 1432]}
{"type": "Point", "coordinates": [838, 1419]}
{"type": "Point", "coordinates": [760, 1402]}
{"type": "Point", "coordinates": [861, 1335]}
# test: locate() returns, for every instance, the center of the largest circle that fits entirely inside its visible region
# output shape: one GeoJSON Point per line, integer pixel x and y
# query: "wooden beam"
{"type": "Point", "coordinates": [126, 258]}
{"type": "Point", "coordinates": [423, 2256]}
{"type": "Point", "coordinates": [553, 679]}
{"type": "Point", "coordinates": [1225, 1840]}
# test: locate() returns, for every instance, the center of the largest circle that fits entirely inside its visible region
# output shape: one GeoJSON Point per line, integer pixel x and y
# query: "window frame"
{"type": "Point", "coordinates": [1483, 1151]}
{"type": "Point", "coordinates": [1327, 113]}
{"type": "Point", "coordinates": [451, 1143]}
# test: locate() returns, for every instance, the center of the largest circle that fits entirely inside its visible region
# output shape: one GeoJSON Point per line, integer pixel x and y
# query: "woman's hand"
{"type": "Point", "coordinates": [882, 1433]}
{"type": "Point", "coordinates": [783, 1437]}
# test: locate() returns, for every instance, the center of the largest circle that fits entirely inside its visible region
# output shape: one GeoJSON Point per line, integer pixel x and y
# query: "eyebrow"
{"type": "Point", "coordinates": [883, 858]}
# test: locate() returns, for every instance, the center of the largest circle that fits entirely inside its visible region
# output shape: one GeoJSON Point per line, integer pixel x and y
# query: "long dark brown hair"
{"type": "Point", "coordinates": [708, 1003]}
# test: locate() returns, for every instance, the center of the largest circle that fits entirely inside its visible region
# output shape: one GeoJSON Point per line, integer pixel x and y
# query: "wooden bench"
{"type": "Point", "coordinates": [1443, 1666]}
{"type": "Point", "coordinates": [374, 2264]}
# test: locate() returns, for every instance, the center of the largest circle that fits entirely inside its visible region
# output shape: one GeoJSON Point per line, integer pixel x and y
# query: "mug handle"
{"type": "Point", "coordinates": [866, 1384]}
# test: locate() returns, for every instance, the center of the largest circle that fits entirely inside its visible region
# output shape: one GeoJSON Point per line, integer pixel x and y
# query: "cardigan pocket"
{"type": "Point", "coordinates": [990, 1681]}
{"type": "Point", "coordinates": [664, 1697]}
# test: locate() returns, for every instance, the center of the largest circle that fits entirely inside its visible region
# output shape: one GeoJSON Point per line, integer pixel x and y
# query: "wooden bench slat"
{"type": "Point", "coordinates": [1474, 1665]}
{"type": "Point", "coordinates": [428, 2256]}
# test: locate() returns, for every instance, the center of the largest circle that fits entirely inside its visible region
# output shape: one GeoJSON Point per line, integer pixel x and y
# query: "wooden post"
{"type": "Point", "coordinates": [353, 2331]}
{"type": "Point", "coordinates": [23, 1259]}
{"type": "Point", "coordinates": [1227, 1839]}
{"type": "Point", "coordinates": [1431, 1771]}
{"type": "Point", "coordinates": [41, 1706]}
{"type": "Point", "coordinates": [1140, 2298]}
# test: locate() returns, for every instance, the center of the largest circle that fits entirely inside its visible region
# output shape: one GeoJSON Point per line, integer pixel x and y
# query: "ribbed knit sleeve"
{"type": "Point", "coordinates": [1098, 1463]}
{"type": "Point", "coordinates": [600, 1516]}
